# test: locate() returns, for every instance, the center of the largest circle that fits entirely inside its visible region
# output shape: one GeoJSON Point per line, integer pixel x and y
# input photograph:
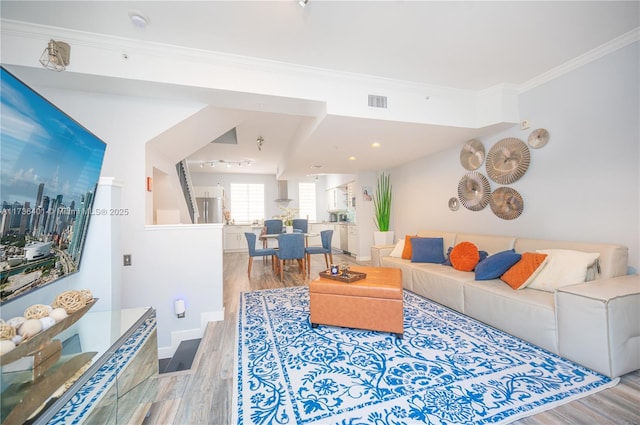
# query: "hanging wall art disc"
{"type": "Point", "coordinates": [538, 138]}
{"type": "Point", "coordinates": [506, 203]}
{"type": "Point", "coordinates": [474, 191]}
{"type": "Point", "coordinates": [454, 204]}
{"type": "Point", "coordinates": [508, 160]}
{"type": "Point", "coordinates": [472, 155]}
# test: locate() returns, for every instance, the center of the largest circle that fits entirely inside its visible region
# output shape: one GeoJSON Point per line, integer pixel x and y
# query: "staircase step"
{"type": "Point", "coordinates": [182, 358]}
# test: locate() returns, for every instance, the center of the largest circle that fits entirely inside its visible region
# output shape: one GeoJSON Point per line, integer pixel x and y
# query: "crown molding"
{"type": "Point", "coordinates": [188, 54]}
{"type": "Point", "coordinates": [582, 60]}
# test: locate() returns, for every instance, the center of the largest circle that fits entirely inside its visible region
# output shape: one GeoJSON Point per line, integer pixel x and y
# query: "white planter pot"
{"type": "Point", "coordinates": [289, 229]}
{"type": "Point", "coordinates": [383, 238]}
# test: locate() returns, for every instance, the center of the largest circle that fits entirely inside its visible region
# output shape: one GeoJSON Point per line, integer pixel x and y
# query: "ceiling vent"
{"type": "Point", "coordinates": [377, 101]}
{"type": "Point", "coordinates": [228, 138]}
{"type": "Point", "coordinates": [283, 191]}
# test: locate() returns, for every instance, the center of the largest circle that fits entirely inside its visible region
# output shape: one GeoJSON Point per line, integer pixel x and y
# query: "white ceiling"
{"type": "Point", "coordinates": [467, 45]}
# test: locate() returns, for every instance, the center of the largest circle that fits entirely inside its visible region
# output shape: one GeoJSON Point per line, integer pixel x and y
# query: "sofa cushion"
{"type": "Point", "coordinates": [447, 257]}
{"type": "Point", "coordinates": [495, 265]}
{"type": "Point", "coordinates": [564, 267]}
{"type": "Point", "coordinates": [524, 271]}
{"type": "Point", "coordinates": [407, 250]}
{"type": "Point", "coordinates": [440, 283]}
{"type": "Point", "coordinates": [613, 260]}
{"type": "Point", "coordinates": [527, 314]}
{"type": "Point", "coordinates": [404, 265]}
{"type": "Point", "coordinates": [464, 256]}
{"type": "Point", "coordinates": [427, 250]}
{"type": "Point", "coordinates": [489, 243]}
{"type": "Point", "coordinates": [397, 250]}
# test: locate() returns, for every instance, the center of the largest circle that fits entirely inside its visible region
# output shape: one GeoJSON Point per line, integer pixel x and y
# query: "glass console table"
{"type": "Point", "coordinates": [114, 353]}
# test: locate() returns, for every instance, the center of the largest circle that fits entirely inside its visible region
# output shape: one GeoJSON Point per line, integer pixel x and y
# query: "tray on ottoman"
{"type": "Point", "coordinates": [350, 277]}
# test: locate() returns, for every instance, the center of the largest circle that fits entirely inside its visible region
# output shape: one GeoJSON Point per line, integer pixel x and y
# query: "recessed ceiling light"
{"type": "Point", "coordinates": [138, 19]}
{"type": "Point", "coordinates": [375, 145]}
{"type": "Point", "coordinates": [352, 158]}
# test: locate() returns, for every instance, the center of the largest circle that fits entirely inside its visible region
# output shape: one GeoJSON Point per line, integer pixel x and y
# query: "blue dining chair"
{"type": "Point", "coordinates": [325, 237]}
{"type": "Point", "coordinates": [271, 227]}
{"type": "Point", "coordinates": [290, 247]}
{"type": "Point", "coordinates": [301, 225]}
{"type": "Point", "coordinates": [253, 252]}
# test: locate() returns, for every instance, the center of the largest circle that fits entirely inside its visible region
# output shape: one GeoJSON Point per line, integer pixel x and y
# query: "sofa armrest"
{"type": "Point", "coordinates": [379, 251]}
{"type": "Point", "coordinates": [599, 324]}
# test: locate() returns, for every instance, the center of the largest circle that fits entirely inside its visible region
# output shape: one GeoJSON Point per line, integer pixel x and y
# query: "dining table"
{"type": "Point", "coordinates": [267, 236]}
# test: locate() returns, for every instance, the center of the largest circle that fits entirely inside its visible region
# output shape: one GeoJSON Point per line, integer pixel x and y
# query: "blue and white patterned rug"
{"type": "Point", "coordinates": [448, 369]}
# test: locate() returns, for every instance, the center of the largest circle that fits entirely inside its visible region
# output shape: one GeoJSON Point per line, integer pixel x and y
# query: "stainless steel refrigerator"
{"type": "Point", "coordinates": [209, 201]}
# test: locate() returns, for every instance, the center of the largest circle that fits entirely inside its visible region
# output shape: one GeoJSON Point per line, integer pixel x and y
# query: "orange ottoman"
{"type": "Point", "coordinates": [374, 303]}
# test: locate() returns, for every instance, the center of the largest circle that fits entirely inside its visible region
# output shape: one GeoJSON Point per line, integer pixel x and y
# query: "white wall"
{"type": "Point", "coordinates": [126, 124]}
{"type": "Point", "coordinates": [270, 190]}
{"type": "Point", "coordinates": [582, 186]}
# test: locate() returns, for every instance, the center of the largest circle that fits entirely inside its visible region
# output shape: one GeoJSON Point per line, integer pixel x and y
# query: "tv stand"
{"type": "Point", "coordinates": [114, 388]}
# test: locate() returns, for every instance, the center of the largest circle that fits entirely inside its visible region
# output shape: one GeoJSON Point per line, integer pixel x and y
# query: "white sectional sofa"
{"type": "Point", "coordinates": [596, 324]}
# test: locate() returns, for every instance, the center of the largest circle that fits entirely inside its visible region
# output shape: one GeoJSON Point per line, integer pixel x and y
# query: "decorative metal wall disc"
{"type": "Point", "coordinates": [474, 191]}
{"type": "Point", "coordinates": [506, 203]}
{"type": "Point", "coordinates": [538, 138]}
{"type": "Point", "coordinates": [454, 204]}
{"type": "Point", "coordinates": [472, 155]}
{"type": "Point", "coordinates": [508, 160]}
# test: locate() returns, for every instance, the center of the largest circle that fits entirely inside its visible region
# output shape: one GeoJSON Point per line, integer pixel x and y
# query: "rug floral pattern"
{"type": "Point", "coordinates": [448, 368]}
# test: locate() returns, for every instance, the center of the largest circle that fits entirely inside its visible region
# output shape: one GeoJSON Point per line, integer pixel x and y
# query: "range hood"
{"type": "Point", "coordinates": [283, 191]}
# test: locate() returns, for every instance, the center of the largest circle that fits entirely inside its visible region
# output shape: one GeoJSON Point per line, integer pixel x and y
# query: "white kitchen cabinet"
{"type": "Point", "coordinates": [234, 239]}
{"type": "Point", "coordinates": [336, 199]}
{"type": "Point", "coordinates": [352, 239]}
{"type": "Point", "coordinates": [319, 227]}
{"type": "Point", "coordinates": [335, 241]}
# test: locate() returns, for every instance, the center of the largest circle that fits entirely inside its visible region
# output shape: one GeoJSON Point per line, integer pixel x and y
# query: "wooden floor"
{"type": "Point", "coordinates": [203, 395]}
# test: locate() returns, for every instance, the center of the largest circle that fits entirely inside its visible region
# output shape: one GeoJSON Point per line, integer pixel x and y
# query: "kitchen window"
{"type": "Point", "coordinates": [246, 202]}
{"type": "Point", "coordinates": [307, 202]}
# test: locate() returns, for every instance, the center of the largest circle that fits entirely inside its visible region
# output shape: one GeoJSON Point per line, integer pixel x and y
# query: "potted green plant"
{"type": "Point", "coordinates": [382, 208]}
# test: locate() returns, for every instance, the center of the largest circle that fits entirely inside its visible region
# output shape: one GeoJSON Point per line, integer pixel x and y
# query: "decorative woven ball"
{"type": "Point", "coordinates": [6, 331]}
{"type": "Point", "coordinates": [58, 314]}
{"type": "Point", "coordinates": [30, 328]}
{"type": "Point", "coordinates": [36, 311]}
{"type": "Point", "coordinates": [87, 295]}
{"type": "Point", "coordinates": [71, 301]}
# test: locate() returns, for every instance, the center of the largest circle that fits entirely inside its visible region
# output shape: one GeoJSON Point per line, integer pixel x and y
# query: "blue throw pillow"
{"type": "Point", "coordinates": [447, 260]}
{"type": "Point", "coordinates": [427, 250]}
{"type": "Point", "coordinates": [495, 265]}
{"type": "Point", "coordinates": [483, 255]}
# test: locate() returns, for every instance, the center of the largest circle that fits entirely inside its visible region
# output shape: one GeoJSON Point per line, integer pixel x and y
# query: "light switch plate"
{"type": "Point", "coordinates": [126, 259]}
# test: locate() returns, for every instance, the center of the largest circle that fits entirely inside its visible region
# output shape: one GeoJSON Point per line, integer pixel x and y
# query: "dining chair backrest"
{"type": "Point", "coordinates": [325, 237]}
{"type": "Point", "coordinates": [290, 246]}
{"type": "Point", "coordinates": [251, 242]}
{"type": "Point", "coordinates": [301, 224]}
{"type": "Point", "coordinates": [273, 226]}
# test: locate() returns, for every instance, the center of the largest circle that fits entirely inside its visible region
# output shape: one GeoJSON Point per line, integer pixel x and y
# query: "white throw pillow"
{"type": "Point", "coordinates": [564, 267]}
{"type": "Point", "coordinates": [397, 251]}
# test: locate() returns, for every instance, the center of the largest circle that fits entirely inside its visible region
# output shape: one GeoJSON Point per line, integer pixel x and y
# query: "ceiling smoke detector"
{"type": "Point", "coordinates": [138, 19]}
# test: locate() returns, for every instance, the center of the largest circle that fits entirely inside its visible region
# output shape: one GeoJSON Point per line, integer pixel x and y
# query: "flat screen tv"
{"type": "Point", "coordinates": [49, 171]}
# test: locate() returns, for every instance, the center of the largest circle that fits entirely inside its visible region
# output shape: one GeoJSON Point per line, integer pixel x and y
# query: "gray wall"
{"type": "Point", "coordinates": [583, 185]}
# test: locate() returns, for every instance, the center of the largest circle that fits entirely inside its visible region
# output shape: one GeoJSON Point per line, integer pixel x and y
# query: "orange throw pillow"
{"type": "Point", "coordinates": [407, 252]}
{"type": "Point", "coordinates": [525, 270]}
{"type": "Point", "coordinates": [464, 256]}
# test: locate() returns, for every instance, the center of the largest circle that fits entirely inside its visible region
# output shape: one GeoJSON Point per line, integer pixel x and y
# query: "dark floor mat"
{"type": "Point", "coordinates": [183, 357]}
